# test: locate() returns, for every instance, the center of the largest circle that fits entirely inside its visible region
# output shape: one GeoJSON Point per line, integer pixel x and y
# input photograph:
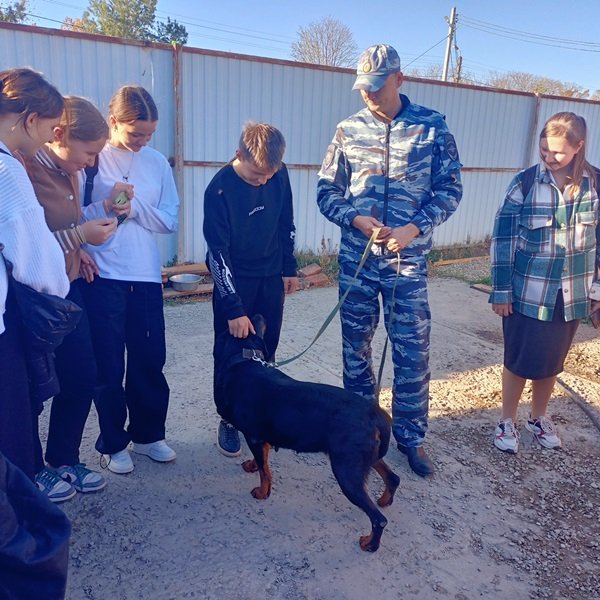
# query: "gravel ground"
{"type": "Point", "coordinates": [471, 272]}
{"type": "Point", "coordinates": [487, 525]}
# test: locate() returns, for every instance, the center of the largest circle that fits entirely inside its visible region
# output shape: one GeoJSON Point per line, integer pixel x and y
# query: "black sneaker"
{"type": "Point", "coordinates": [228, 439]}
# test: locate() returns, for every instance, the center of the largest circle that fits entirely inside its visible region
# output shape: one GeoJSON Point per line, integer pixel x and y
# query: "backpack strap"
{"type": "Point", "coordinates": [90, 173]}
{"type": "Point", "coordinates": [528, 180]}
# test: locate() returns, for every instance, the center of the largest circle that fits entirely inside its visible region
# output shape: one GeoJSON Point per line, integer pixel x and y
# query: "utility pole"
{"type": "Point", "coordinates": [451, 26]}
{"type": "Point", "coordinates": [458, 72]}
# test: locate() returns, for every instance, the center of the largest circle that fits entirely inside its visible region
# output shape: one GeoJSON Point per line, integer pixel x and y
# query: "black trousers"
{"type": "Point", "coordinates": [76, 369]}
{"type": "Point", "coordinates": [264, 295]}
{"type": "Point", "coordinates": [128, 316]}
{"type": "Point", "coordinates": [17, 433]}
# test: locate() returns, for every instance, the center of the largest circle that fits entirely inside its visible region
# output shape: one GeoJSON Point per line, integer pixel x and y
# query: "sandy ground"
{"type": "Point", "coordinates": [487, 525]}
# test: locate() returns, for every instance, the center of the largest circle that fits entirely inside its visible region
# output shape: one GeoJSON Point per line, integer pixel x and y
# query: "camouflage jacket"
{"type": "Point", "coordinates": [407, 171]}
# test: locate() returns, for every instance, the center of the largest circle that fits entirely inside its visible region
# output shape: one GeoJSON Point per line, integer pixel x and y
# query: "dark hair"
{"type": "Point", "coordinates": [82, 121]}
{"type": "Point", "coordinates": [132, 103]}
{"type": "Point", "coordinates": [25, 92]}
{"type": "Point", "coordinates": [572, 128]}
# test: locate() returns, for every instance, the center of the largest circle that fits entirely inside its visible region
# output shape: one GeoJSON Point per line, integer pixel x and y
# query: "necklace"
{"type": "Point", "coordinates": [124, 174]}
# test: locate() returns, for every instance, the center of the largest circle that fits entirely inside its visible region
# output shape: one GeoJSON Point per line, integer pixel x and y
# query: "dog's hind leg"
{"type": "Point", "coordinates": [260, 451]}
{"type": "Point", "coordinates": [391, 481]}
{"type": "Point", "coordinates": [352, 477]}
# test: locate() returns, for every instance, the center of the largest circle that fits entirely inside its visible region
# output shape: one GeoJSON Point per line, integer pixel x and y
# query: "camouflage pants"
{"type": "Point", "coordinates": [408, 321]}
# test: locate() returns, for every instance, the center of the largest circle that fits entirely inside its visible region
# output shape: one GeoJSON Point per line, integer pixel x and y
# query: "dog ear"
{"type": "Point", "coordinates": [260, 325]}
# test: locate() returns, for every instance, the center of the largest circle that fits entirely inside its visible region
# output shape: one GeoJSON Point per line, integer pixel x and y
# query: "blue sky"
{"type": "Point", "coordinates": [415, 28]}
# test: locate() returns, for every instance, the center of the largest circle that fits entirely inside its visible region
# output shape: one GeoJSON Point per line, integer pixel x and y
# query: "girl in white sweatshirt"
{"type": "Point", "coordinates": [30, 108]}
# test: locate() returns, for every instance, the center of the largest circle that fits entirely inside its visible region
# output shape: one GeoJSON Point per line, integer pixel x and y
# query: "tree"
{"type": "Point", "coordinates": [527, 82]}
{"type": "Point", "coordinates": [15, 12]}
{"type": "Point", "coordinates": [171, 32]}
{"type": "Point", "coordinates": [134, 19]}
{"type": "Point", "coordinates": [325, 42]}
{"type": "Point", "coordinates": [432, 71]}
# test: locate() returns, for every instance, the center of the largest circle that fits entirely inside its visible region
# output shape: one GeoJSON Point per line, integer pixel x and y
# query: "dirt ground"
{"type": "Point", "coordinates": [486, 525]}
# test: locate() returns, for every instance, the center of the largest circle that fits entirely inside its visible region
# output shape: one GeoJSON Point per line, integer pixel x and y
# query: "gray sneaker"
{"type": "Point", "coordinates": [228, 440]}
{"type": "Point", "coordinates": [55, 488]}
{"type": "Point", "coordinates": [81, 478]}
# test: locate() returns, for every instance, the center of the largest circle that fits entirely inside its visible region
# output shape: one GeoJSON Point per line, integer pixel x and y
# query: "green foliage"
{"type": "Point", "coordinates": [171, 32]}
{"type": "Point", "coordinates": [133, 19]}
{"type": "Point", "coordinates": [15, 12]}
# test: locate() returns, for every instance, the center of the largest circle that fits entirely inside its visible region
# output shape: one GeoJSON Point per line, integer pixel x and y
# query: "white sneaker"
{"type": "Point", "coordinates": [119, 462]}
{"type": "Point", "coordinates": [506, 436]}
{"type": "Point", "coordinates": [544, 431]}
{"type": "Point", "coordinates": [158, 451]}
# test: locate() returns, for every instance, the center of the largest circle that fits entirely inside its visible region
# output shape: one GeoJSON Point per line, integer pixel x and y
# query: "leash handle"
{"type": "Point", "coordinates": [332, 314]}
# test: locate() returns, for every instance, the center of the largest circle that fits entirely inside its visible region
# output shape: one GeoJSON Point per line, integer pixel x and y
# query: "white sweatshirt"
{"type": "Point", "coordinates": [36, 256]}
{"type": "Point", "coordinates": [131, 254]}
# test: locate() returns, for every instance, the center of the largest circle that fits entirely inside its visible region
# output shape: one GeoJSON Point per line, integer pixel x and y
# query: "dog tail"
{"type": "Point", "coordinates": [384, 425]}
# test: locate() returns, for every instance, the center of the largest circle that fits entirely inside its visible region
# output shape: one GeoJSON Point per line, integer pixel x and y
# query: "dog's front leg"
{"type": "Point", "coordinates": [260, 451]}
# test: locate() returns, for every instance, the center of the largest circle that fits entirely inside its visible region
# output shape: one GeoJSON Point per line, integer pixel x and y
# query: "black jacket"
{"type": "Point", "coordinates": [249, 231]}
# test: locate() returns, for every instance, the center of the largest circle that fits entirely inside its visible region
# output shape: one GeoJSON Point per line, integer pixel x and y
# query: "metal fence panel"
{"type": "Point", "coordinates": [496, 131]}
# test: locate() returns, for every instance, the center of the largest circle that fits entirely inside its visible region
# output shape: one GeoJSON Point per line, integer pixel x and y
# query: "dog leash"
{"type": "Point", "coordinates": [337, 307]}
{"type": "Point", "coordinates": [389, 326]}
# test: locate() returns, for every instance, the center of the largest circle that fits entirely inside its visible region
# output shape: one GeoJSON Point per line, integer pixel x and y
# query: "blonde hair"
{"type": "Point", "coordinates": [263, 144]}
{"type": "Point", "coordinates": [132, 103]}
{"type": "Point", "coordinates": [82, 121]}
{"type": "Point", "coordinates": [572, 128]}
{"type": "Point", "coordinates": [25, 92]}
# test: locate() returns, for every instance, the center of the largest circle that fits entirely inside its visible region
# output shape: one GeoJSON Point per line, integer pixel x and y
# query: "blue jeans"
{"type": "Point", "coordinates": [128, 316]}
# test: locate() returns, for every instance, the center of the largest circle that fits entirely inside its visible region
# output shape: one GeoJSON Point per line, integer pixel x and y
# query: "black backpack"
{"type": "Point", "coordinates": [529, 179]}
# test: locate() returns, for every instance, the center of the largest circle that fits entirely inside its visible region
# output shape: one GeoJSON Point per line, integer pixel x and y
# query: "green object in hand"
{"type": "Point", "coordinates": [121, 198]}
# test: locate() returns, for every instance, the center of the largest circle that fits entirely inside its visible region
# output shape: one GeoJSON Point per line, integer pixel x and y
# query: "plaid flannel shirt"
{"type": "Point", "coordinates": [545, 242]}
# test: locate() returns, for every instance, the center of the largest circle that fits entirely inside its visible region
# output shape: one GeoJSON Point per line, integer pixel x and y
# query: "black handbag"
{"type": "Point", "coordinates": [46, 320]}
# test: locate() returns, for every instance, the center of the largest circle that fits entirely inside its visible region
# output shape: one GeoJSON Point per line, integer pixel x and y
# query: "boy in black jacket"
{"type": "Point", "coordinates": [249, 230]}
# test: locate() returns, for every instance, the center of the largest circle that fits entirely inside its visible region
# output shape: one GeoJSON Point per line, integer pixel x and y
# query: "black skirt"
{"type": "Point", "coordinates": [536, 349]}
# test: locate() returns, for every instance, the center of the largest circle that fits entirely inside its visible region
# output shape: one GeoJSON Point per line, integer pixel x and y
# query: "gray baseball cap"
{"type": "Point", "coordinates": [374, 66]}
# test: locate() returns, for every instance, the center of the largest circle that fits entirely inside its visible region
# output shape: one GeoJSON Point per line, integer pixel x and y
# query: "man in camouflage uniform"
{"type": "Point", "coordinates": [392, 165]}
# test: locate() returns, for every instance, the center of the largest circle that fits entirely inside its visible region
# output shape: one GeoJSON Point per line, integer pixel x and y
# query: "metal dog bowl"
{"type": "Point", "coordinates": [185, 282]}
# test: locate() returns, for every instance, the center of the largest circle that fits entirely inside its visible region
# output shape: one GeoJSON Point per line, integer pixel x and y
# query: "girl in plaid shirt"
{"type": "Point", "coordinates": [545, 259]}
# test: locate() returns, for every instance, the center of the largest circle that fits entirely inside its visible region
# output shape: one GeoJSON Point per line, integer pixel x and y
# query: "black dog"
{"type": "Point", "coordinates": [274, 410]}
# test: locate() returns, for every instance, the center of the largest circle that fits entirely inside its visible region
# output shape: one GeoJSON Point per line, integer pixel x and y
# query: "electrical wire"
{"type": "Point", "coordinates": [528, 34]}
{"type": "Point", "coordinates": [426, 51]}
{"type": "Point", "coordinates": [529, 38]}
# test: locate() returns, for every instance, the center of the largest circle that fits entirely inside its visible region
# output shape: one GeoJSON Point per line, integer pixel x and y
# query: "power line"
{"type": "Point", "coordinates": [426, 51]}
{"type": "Point", "coordinates": [529, 34]}
{"type": "Point", "coordinates": [529, 38]}
{"type": "Point", "coordinates": [198, 24]}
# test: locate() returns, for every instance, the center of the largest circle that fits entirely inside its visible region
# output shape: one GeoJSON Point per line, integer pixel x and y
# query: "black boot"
{"type": "Point", "coordinates": [418, 460]}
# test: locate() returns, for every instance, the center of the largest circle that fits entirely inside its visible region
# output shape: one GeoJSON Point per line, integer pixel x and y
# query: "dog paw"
{"type": "Point", "coordinates": [258, 493]}
{"type": "Point", "coordinates": [368, 543]}
{"type": "Point", "coordinates": [250, 466]}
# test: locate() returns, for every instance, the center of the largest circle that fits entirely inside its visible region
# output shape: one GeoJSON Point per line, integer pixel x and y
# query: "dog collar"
{"type": "Point", "coordinates": [253, 354]}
